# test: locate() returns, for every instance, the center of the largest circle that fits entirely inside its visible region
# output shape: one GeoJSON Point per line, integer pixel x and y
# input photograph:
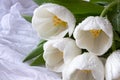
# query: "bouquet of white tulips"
{"type": "Point", "coordinates": [79, 39]}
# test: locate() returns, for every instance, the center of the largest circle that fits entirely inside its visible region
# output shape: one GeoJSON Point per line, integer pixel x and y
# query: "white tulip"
{"type": "Point", "coordinates": [84, 67]}
{"type": "Point", "coordinates": [53, 21]}
{"type": "Point", "coordinates": [57, 53]}
{"type": "Point", "coordinates": [113, 66]}
{"type": "Point", "coordinates": [94, 34]}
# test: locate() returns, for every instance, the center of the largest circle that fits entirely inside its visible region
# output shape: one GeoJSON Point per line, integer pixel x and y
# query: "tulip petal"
{"type": "Point", "coordinates": [95, 42]}
{"type": "Point", "coordinates": [54, 56]}
{"type": "Point", "coordinates": [113, 66]}
{"type": "Point", "coordinates": [59, 52]}
{"type": "Point", "coordinates": [60, 11]}
{"type": "Point", "coordinates": [69, 49]}
{"type": "Point", "coordinates": [84, 67]}
{"type": "Point", "coordinates": [49, 11]}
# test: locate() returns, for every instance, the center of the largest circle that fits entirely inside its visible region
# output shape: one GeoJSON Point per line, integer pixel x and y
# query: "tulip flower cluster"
{"type": "Point", "coordinates": [63, 53]}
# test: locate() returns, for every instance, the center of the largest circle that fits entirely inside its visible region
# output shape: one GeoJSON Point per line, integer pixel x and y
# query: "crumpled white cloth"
{"type": "Point", "coordinates": [17, 39]}
{"type": "Point", "coordinates": [12, 71]}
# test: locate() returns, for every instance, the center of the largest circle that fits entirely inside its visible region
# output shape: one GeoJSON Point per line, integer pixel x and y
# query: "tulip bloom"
{"type": "Point", "coordinates": [53, 21]}
{"type": "Point", "coordinates": [84, 67]}
{"type": "Point", "coordinates": [113, 66]}
{"type": "Point", "coordinates": [57, 53]}
{"type": "Point", "coordinates": [94, 34]}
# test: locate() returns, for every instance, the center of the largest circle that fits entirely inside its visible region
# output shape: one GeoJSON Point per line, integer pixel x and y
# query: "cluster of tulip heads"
{"type": "Point", "coordinates": [64, 54]}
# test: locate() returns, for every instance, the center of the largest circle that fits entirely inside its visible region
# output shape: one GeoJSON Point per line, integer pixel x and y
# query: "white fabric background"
{"type": "Point", "coordinates": [17, 39]}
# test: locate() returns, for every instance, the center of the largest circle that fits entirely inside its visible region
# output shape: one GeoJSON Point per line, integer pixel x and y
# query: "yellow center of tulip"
{"type": "Point", "coordinates": [86, 71]}
{"type": "Point", "coordinates": [95, 33]}
{"type": "Point", "coordinates": [58, 22]}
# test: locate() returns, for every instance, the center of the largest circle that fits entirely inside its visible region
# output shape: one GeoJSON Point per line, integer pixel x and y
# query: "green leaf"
{"type": "Point", "coordinates": [101, 1]}
{"type": "Point", "coordinates": [114, 17]}
{"type": "Point", "coordinates": [117, 44]}
{"type": "Point", "coordinates": [41, 42]}
{"type": "Point", "coordinates": [77, 7]}
{"type": "Point", "coordinates": [116, 36]}
{"type": "Point", "coordinates": [116, 40]}
{"type": "Point", "coordinates": [38, 61]}
{"type": "Point", "coordinates": [28, 18]}
{"type": "Point", "coordinates": [36, 52]}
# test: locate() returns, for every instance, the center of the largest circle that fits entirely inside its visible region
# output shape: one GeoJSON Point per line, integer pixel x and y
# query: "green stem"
{"type": "Point", "coordinates": [107, 8]}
